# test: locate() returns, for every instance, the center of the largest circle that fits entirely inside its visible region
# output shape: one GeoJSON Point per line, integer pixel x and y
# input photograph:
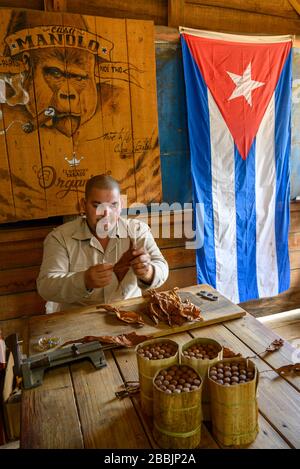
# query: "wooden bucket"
{"type": "Point", "coordinates": [234, 409]}
{"type": "Point", "coordinates": [177, 417]}
{"type": "Point", "coordinates": [147, 370]}
{"type": "Point", "coordinates": [201, 366]}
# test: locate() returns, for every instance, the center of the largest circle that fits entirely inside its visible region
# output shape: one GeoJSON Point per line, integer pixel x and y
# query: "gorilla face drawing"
{"type": "Point", "coordinates": [62, 88]}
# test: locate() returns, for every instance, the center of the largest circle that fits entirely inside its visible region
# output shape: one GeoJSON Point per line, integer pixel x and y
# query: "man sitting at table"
{"type": "Point", "coordinates": [101, 257]}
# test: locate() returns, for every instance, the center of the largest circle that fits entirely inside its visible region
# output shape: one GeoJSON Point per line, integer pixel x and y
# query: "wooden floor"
{"type": "Point", "coordinates": [285, 324]}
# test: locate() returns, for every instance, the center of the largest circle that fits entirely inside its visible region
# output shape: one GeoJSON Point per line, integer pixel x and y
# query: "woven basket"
{"type": "Point", "coordinates": [177, 418]}
{"type": "Point", "coordinates": [234, 409]}
{"type": "Point", "coordinates": [201, 366]}
{"type": "Point", "coordinates": [148, 368]}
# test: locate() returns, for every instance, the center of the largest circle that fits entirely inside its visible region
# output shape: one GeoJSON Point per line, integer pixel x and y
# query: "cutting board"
{"type": "Point", "coordinates": [79, 322]}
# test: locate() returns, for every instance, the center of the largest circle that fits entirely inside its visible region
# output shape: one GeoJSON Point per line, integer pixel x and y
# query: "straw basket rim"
{"type": "Point", "coordinates": [156, 340]}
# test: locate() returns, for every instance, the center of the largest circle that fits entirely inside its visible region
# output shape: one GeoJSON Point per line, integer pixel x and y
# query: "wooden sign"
{"type": "Point", "coordinates": [78, 98]}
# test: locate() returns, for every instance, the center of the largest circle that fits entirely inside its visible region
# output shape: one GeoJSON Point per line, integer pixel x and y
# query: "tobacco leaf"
{"type": "Point", "coordinates": [169, 308]}
{"type": "Point", "coordinates": [275, 345]}
{"type": "Point", "coordinates": [286, 369]}
{"type": "Point", "coordinates": [131, 317]}
{"type": "Point", "coordinates": [125, 340]}
{"type": "Point", "coordinates": [123, 265]}
{"type": "Point", "coordinates": [228, 353]}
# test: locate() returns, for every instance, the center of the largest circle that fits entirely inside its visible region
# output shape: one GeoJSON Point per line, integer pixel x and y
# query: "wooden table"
{"type": "Point", "coordinates": [76, 405]}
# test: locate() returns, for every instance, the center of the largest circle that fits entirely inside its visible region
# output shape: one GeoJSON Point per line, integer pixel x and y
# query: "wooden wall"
{"type": "Point", "coordinates": [243, 16]}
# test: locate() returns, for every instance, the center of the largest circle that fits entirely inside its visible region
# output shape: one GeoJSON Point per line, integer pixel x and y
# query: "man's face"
{"type": "Point", "coordinates": [103, 207]}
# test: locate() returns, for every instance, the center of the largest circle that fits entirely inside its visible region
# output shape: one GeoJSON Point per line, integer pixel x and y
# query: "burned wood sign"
{"type": "Point", "coordinates": [78, 98]}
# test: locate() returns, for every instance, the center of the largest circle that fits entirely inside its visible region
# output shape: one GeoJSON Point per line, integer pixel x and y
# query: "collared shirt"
{"type": "Point", "coordinates": [70, 249]}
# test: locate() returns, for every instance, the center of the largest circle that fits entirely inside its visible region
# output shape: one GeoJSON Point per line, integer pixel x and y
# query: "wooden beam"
{"type": "Point", "coordinates": [55, 5]}
{"type": "Point", "coordinates": [296, 5]}
{"type": "Point", "coordinates": [175, 13]}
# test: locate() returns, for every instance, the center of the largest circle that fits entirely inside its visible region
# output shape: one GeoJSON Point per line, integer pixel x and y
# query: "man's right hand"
{"type": "Point", "coordinates": [98, 276]}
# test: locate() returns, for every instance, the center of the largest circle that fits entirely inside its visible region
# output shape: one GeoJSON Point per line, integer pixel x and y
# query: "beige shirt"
{"type": "Point", "coordinates": [70, 249]}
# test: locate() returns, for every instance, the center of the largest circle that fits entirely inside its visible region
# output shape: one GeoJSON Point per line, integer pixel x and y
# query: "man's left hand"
{"type": "Point", "coordinates": [142, 266]}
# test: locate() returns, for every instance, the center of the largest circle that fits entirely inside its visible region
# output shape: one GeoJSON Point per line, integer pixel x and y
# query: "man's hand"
{"type": "Point", "coordinates": [141, 265]}
{"type": "Point", "coordinates": [98, 276]}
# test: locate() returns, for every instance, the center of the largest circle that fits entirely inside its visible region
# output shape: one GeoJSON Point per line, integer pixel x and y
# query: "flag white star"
{"type": "Point", "coordinates": [244, 85]}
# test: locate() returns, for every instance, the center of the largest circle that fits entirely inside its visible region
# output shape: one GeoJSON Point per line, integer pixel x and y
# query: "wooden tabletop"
{"type": "Point", "coordinates": [76, 407]}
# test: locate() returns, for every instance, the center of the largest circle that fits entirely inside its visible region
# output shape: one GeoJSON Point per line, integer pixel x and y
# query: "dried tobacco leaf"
{"type": "Point", "coordinates": [168, 307]}
{"type": "Point", "coordinates": [125, 340]}
{"type": "Point", "coordinates": [286, 369]}
{"type": "Point", "coordinates": [131, 317]}
{"type": "Point", "coordinates": [228, 353]}
{"type": "Point", "coordinates": [275, 345]}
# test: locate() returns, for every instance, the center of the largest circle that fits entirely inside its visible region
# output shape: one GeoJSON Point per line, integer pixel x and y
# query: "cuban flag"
{"type": "Point", "coordinates": [238, 92]}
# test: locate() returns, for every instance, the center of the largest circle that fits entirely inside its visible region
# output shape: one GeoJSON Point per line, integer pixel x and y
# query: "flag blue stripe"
{"type": "Point", "coordinates": [282, 157]}
{"type": "Point", "coordinates": [246, 224]}
{"type": "Point", "coordinates": [199, 135]}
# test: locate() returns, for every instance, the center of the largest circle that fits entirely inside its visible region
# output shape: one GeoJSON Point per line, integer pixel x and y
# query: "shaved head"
{"type": "Point", "coordinates": [102, 181]}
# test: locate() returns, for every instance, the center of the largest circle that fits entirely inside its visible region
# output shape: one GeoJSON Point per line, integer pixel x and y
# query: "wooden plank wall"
{"type": "Point", "coordinates": [246, 16]}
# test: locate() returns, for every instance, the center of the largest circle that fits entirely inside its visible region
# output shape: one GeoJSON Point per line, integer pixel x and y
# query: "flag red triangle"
{"type": "Point", "coordinates": [241, 78]}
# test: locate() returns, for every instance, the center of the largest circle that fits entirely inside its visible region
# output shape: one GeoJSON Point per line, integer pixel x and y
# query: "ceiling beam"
{"type": "Point", "coordinates": [55, 5]}
{"type": "Point", "coordinates": [296, 5]}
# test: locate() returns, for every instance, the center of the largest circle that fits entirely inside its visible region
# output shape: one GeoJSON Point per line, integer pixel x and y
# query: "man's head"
{"type": "Point", "coordinates": [102, 204]}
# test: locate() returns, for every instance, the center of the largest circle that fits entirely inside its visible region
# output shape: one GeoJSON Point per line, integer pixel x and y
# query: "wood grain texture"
{"type": "Point", "coordinates": [180, 278]}
{"type": "Point", "coordinates": [175, 12]}
{"type": "Point", "coordinates": [28, 196]}
{"type": "Point", "coordinates": [180, 257]}
{"type": "Point", "coordinates": [7, 208]}
{"type": "Point", "coordinates": [21, 254]}
{"type": "Point", "coordinates": [290, 331]}
{"type": "Point", "coordinates": [156, 10]}
{"type": "Point", "coordinates": [144, 118]}
{"type": "Point", "coordinates": [116, 123]}
{"type": "Point", "coordinates": [275, 304]}
{"type": "Point", "coordinates": [21, 304]}
{"type": "Point", "coordinates": [258, 337]}
{"type": "Point", "coordinates": [101, 414]}
{"type": "Point", "coordinates": [226, 20]}
{"type": "Point", "coordinates": [281, 8]}
{"type": "Point", "coordinates": [18, 280]}
{"type": "Point", "coordinates": [34, 4]}
{"type": "Point", "coordinates": [49, 403]}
